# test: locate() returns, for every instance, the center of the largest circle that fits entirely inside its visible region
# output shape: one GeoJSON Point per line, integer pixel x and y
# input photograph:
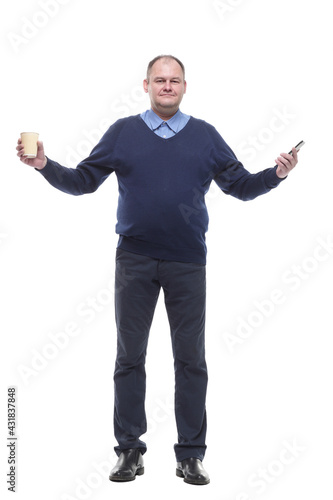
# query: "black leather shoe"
{"type": "Point", "coordinates": [192, 471]}
{"type": "Point", "coordinates": [128, 466]}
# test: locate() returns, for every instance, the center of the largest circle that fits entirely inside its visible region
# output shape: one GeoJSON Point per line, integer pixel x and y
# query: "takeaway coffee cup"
{"type": "Point", "coordinates": [29, 141]}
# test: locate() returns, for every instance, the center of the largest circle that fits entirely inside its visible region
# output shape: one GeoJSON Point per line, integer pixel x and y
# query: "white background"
{"type": "Point", "coordinates": [71, 69]}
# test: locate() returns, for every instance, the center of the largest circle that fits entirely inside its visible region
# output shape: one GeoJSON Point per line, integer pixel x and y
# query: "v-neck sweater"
{"type": "Point", "coordinates": [162, 184]}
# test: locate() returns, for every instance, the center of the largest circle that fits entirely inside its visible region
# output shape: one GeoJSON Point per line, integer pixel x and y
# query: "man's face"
{"type": "Point", "coordinates": [166, 87]}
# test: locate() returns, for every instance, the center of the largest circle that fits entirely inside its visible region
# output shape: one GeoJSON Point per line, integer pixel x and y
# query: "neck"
{"type": "Point", "coordinates": [165, 115]}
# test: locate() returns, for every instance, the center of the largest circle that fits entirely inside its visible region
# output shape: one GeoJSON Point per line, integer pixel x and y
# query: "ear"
{"type": "Point", "coordinates": [145, 85]}
{"type": "Point", "coordinates": [185, 86]}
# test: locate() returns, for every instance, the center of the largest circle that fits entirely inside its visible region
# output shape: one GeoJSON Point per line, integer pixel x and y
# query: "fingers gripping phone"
{"type": "Point", "coordinates": [297, 147]}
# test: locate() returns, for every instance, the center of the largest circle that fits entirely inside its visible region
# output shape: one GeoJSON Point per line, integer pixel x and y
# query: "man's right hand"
{"type": "Point", "coordinates": [39, 162]}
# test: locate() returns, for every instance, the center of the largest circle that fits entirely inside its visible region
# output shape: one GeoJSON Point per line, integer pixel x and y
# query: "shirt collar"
{"type": "Point", "coordinates": [172, 123]}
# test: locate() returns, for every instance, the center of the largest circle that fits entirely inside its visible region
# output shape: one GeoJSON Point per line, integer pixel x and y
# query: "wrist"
{"type": "Point", "coordinates": [43, 165]}
{"type": "Point", "coordinates": [281, 175]}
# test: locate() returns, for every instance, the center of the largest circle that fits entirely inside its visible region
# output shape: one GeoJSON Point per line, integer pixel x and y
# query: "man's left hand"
{"type": "Point", "coordinates": [286, 163]}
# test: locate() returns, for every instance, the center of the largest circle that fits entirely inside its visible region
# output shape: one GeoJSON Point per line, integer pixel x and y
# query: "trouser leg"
{"type": "Point", "coordinates": [136, 294]}
{"type": "Point", "coordinates": [184, 287]}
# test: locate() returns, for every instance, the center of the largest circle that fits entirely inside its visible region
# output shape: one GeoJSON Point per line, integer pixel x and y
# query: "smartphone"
{"type": "Point", "coordinates": [298, 147]}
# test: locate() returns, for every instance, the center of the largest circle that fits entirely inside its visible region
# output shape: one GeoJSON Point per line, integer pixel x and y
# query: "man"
{"type": "Point", "coordinates": [164, 161]}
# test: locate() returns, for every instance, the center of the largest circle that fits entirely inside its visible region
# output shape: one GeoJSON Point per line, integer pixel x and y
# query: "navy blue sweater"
{"type": "Point", "coordinates": [162, 184]}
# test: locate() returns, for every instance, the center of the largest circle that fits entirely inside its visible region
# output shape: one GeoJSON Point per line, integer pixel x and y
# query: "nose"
{"type": "Point", "coordinates": [167, 86]}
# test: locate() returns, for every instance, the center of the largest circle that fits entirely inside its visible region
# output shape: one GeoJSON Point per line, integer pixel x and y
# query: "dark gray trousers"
{"type": "Point", "coordinates": [138, 283]}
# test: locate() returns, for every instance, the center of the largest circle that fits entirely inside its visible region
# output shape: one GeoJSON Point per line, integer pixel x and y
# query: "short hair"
{"type": "Point", "coordinates": [153, 61]}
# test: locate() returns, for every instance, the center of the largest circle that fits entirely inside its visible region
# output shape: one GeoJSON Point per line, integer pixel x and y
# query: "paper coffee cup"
{"type": "Point", "coordinates": [29, 141]}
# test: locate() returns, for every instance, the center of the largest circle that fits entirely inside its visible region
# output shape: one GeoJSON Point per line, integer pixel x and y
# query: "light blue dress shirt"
{"type": "Point", "coordinates": [168, 128]}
